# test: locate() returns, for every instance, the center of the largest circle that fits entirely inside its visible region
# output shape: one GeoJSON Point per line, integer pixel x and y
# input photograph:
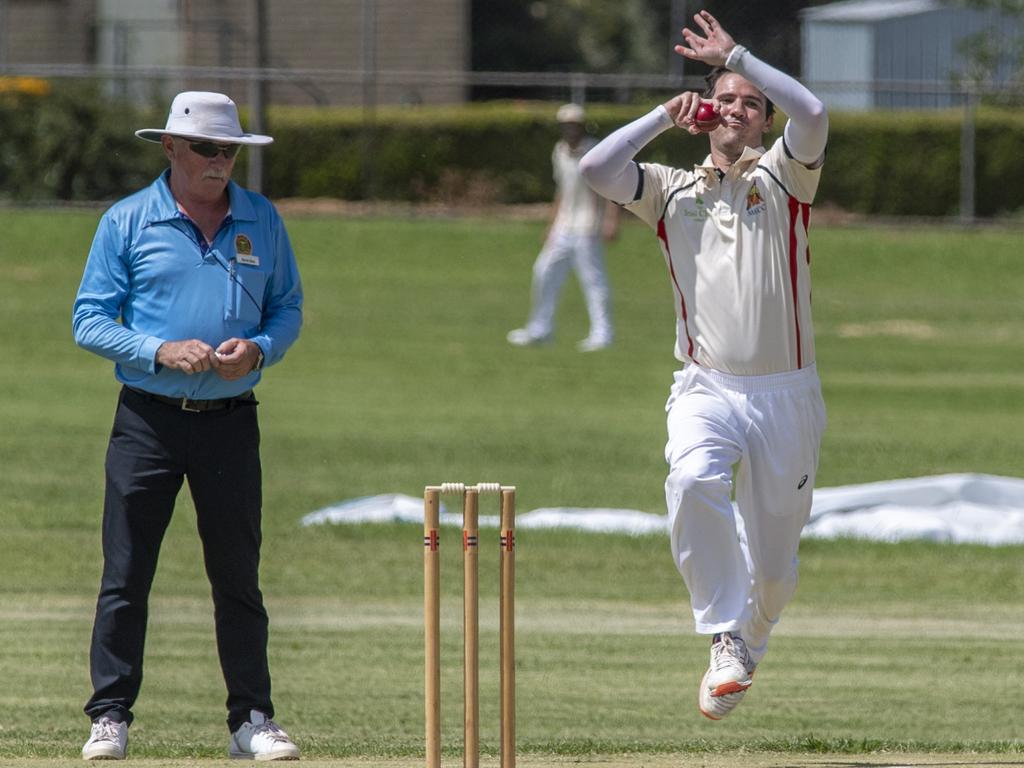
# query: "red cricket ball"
{"type": "Point", "coordinates": [707, 117]}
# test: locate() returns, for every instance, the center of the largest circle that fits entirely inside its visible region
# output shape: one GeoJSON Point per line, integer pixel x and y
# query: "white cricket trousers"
{"type": "Point", "coordinates": [560, 252]}
{"type": "Point", "coordinates": [761, 434]}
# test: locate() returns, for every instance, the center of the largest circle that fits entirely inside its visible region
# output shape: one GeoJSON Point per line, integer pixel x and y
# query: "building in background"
{"type": "Point", "coordinates": [139, 34]}
{"type": "Point", "coordinates": [36, 31]}
{"type": "Point", "coordinates": [340, 51]}
{"type": "Point", "coordinates": [865, 54]}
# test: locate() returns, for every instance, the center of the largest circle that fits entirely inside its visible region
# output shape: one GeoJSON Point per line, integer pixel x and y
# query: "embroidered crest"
{"type": "Point", "coordinates": [755, 203]}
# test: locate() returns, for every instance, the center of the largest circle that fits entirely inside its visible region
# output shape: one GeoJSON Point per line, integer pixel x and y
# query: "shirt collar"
{"type": "Point", "coordinates": [750, 156]}
{"type": "Point", "coordinates": [161, 205]}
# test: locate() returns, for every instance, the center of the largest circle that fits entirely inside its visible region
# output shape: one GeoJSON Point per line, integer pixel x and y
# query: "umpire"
{"type": "Point", "coordinates": [191, 289]}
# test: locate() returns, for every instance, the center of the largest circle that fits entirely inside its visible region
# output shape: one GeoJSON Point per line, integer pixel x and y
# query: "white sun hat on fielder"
{"type": "Point", "coordinates": [570, 113]}
{"type": "Point", "coordinates": [204, 116]}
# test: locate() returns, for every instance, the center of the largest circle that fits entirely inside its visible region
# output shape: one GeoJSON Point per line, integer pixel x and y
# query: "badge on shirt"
{"type": "Point", "coordinates": [755, 203]}
{"type": "Point", "coordinates": [243, 252]}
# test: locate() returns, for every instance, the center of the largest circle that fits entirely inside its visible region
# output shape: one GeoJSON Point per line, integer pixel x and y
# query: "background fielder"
{"type": "Point", "coordinates": [581, 222]}
{"type": "Point", "coordinates": [734, 235]}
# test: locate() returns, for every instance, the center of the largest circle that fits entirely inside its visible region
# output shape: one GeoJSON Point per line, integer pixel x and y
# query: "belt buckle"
{"type": "Point", "coordinates": [185, 407]}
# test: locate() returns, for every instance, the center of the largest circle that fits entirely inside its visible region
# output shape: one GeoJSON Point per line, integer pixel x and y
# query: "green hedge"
{"type": "Point", "coordinates": [75, 144]}
{"type": "Point", "coordinates": [478, 153]}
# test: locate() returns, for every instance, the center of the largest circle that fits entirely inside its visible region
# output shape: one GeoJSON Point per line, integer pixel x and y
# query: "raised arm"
{"type": "Point", "coordinates": [806, 132]}
{"type": "Point", "coordinates": [609, 168]}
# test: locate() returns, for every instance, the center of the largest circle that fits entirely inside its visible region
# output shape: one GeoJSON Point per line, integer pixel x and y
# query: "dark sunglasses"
{"type": "Point", "coordinates": [209, 149]}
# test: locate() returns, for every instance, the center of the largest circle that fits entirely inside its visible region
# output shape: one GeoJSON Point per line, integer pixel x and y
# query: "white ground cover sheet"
{"type": "Point", "coordinates": [958, 508]}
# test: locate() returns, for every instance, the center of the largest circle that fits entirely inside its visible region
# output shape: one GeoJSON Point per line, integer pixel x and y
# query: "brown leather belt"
{"type": "Point", "coordinates": [196, 406]}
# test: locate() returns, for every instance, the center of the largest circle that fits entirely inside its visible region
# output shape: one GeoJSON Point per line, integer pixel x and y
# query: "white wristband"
{"type": "Point", "coordinates": [734, 56]}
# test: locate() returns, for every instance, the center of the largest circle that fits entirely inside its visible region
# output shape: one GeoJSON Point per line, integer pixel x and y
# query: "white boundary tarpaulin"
{"type": "Point", "coordinates": [394, 507]}
{"type": "Point", "coordinates": [979, 509]}
{"type": "Point", "coordinates": [961, 508]}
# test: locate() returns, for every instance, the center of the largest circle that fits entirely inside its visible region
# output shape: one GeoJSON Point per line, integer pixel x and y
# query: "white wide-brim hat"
{"type": "Point", "coordinates": [204, 116]}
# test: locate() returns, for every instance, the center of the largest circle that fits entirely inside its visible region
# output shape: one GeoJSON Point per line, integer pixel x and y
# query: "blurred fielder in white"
{"type": "Point", "coordinates": [581, 222]}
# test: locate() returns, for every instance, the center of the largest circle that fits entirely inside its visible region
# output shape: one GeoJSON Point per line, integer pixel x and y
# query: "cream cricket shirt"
{"type": "Point", "coordinates": [580, 209]}
{"type": "Point", "coordinates": [738, 259]}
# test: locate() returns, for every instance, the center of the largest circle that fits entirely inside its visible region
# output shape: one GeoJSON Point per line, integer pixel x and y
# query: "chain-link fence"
{"type": "Point", "coordinates": [375, 56]}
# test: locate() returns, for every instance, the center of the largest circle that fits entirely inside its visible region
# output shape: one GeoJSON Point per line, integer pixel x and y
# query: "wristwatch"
{"type": "Point", "coordinates": [258, 365]}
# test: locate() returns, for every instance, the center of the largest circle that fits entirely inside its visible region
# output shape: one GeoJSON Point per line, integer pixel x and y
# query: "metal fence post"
{"type": "Point", "coordinates": [257, 93]}
{"type": "Point", "coordinates": [5, 31]}
{"type": "Point", "coordinates": [368, 77]}
{"type": "Point", "coordinates": [967, 157]}
{"type": "Point", "coordinates": [677, 20]}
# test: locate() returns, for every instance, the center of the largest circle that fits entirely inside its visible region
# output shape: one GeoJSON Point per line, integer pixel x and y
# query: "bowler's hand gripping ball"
{"type": "Point", "coordinates": [707, 118]}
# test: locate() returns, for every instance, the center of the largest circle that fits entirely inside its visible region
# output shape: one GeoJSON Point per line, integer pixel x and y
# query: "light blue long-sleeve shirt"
{"type": "Point", "coordinates": [151, 278]}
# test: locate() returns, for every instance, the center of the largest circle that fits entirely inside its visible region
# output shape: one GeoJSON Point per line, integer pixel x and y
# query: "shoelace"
{"type": "Point", "coordinates": [730, 651]}
{"type": "Point", "coordinates": [271, 730]}
{"type": "Point", "coordinates": [106, 730]}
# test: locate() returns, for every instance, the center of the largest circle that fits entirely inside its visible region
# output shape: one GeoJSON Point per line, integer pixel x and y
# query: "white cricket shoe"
{"type": "Point", "coordinates": [729, 676]}
{"type": "Point", "coordinates": [108, 740]}
{"type": "Point", "coordinates": [590, 344]}
{"type": "Point", "coordinates": [261, 739]}
{"type": "Point", "coordinates": [521, 337]}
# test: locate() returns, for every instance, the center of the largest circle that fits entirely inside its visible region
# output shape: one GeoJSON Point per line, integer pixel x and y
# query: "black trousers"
{"type": "Point", "coordinates": [153, 448]}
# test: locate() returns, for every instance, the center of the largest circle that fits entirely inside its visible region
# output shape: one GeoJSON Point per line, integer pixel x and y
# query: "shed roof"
{"type": "Point", "coordinates": [869, 10]}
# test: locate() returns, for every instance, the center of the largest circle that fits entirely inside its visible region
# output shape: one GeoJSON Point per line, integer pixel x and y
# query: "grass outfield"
{"type": "Point", "coordinates": [743, 759]}
{"type": "Point", "coordinates": [402, 377]}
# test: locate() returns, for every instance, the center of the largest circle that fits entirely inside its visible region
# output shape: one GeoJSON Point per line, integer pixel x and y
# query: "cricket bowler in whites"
{"type": "Point", "coordinates": [745, 411]}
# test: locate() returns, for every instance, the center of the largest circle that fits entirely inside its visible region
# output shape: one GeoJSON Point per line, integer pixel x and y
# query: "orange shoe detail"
{"type": "Point", "coordinates": [730, 687]}
{"type": "Point", "coordinates": [708, 715]}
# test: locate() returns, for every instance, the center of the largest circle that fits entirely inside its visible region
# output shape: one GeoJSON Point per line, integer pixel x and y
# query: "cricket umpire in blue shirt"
{"type": "Point", "coordinates": [191, 289]}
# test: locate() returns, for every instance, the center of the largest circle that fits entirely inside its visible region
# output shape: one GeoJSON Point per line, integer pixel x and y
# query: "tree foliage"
{"type": "Point", "coordinates": [621, 35]}
{"type": "Point", "coordinates": [565, 35]}
{"type": "Point", "coordinates": [996, 54]}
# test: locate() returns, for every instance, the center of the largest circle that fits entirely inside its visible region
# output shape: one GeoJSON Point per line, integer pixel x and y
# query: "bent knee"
{"type": "Point", "coordinates": [689, 479]}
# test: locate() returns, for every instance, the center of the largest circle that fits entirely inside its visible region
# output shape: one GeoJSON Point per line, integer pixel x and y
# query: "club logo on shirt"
{"type": "Point", "coordinates": [755, 203]}
{"type": "Point", "coordinates": [699, 211]}
{"type": "Point", "coordinates": [243, 251]}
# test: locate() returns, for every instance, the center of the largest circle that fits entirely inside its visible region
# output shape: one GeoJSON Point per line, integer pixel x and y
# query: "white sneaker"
{"type": "Point", "coordinates": [593, 345]}
{"type": "Point", "coordinates": [521, 337]}
{"type": "Point", "coordinates": [729, 676]}
{"type": "Point", "coordinates": [107, 741]}
{"type": "Point", "coordinates": [261, 739]}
